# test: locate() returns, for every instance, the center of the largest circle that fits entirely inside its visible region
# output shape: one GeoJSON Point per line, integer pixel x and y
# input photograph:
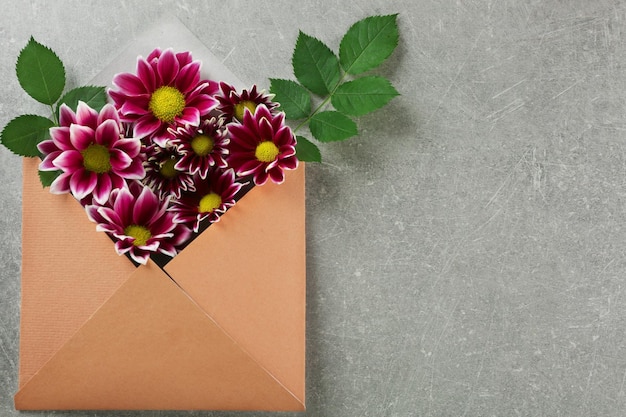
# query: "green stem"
{"type": "Point", "coordinates": [322, 104]}
{"type": "Point", "coordinates": [54, 115]}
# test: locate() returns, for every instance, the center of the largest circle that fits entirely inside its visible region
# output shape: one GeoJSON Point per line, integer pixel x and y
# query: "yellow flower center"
{"type": "Point", "coordinates": [140, 233]}
{"type": "Point", "coordinates": [96, 158]}
{"type": "Point", "coordinates": [166, 103]}
{"type": "Point", "coordinates": [239, 108]}
{"type": "Point", "coordinates": [167, 169]}
{"type": "Point", "coordinates": [209, 202]}
{"type": "Point", "coordinates": [202, 145]}
{"type": "Point", "coordinates": [266, 151]}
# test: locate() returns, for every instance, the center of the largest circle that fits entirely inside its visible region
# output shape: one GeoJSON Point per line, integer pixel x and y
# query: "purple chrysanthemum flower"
{"type": "Point", "coordinates": [262, 146]}
{"type": "Point", "coordinates": [213, 196]}
{"type": "Point", "coordinates": [201, 147]}
{"type": "Point", "coordinates": [90, 150]}
{"type": "Point", "coordinates": [139, 222]}
{"type": "Point", "coordinates": [162, 175]}
{"type": "Point", "coordinates": [233, 105]}
{"type": "Point", "coordinates": [166, 92]}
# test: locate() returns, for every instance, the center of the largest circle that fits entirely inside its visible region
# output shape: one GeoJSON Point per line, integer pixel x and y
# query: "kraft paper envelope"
{"type": "Point", "coordinates": [221, 327]}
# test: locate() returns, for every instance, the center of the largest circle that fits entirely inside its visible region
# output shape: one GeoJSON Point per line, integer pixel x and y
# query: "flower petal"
{"type": "Point", "coordinates": [86, 116]}
{"type": "Point", "coordinates": [135, 171]}
{"type": "Point", "coordinates": [69, 161]}
{"type": "Point", "coordinates": [112, 217]}
{"type": "Point", "coordinates": [103, 189]}
{"type": "Point", "coordinates": [167, 67]}
{"type": "Point", "coordinates": [108, 112]}
{"type": "Point", "coordinates": [61, 138]}
{"type": "Point", "coordinates": [277, 175]}
{"type": "Point", "coordinates": [119, 160]}
{"type": "Point", "coordinates": [183, 58]}
{"type": "Point", "coordinates": [66, 116]}
{"type": "Point", "coordinates": [146, 126]}
{"type": "Point", "coordinates": [124, 246]}
{"type": "Point", "coordinates": [123, 205]}
{"type": "Point", "coordinates": [47, 146]}
{"type": "Point", "coordinates": [145, 207]}
{"type": "Point", "coordinates": [129, 83]}
{"type": "Point", "coordinates": [82, 183]}
{"type": "Point", "coordinates": [47, 164]}
{"type": "Point", "coordinates": [117, 182]}
{"type": "Point", "coordinates": [260, 177]}
{"type": "Point", "coordinates": [146, 75]}
{"type": "Point", "coordinates": [130, 146]}
{"type": "Point", "coordinates": [81, 136]}
{"type": "Point", "coordinates": [265, 130]}
{"type": "Point", "coordinates": [190, 116]}
{"type": "Point", "coordinates": [135, 107]}
{"type": "Point", "coordinates": [61, 185]}
{"type": "Point", "coordinates": [156, 52]}
{"type": "Point", "coordinates": [188, 77]}
{"type": "Point", "coordinates": [291, 162]}
{"type": "Point", "coordinates": [250, 166]}
{"type": "Point", "coordinates": [107, 133]}
{"type": "Point", "coordinates": [204, 103]}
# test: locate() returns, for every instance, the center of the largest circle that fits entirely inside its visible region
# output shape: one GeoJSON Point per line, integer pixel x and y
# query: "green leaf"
{"type": "Point", "coordinates": [40, 72]}
{"type": "Point", "coordinates": [331, 126]}
{"type": "Point", "coordinates": [315, 65]}
{"type": "Point", "coordinates": [48, 177]}
{"type": "Point", "coordinates": [294, 99]}
{"type": "Point", "coordinates": [94, 97]}
{"type": "Point", "coordinates": [306, 150]}
{"type": "Point", "coordinates": [368, 43]}
{"type": "Point", "coordinates": [363, 95]}
{"type": "Point", "coordinates": [22, 134]}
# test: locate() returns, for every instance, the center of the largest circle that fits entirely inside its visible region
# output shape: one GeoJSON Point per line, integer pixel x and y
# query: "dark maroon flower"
{"type": "Point", "coordinates": [262, 146]}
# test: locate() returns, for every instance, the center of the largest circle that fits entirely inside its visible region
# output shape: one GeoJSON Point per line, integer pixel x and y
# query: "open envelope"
{"type": "Point", "coordinates": [221, 326]}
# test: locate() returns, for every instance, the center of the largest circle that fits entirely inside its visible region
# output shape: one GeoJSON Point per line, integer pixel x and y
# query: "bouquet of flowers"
{"type": "Point", "coordinates": [164, 153]}
{"type": "Point", "coordinates": [171, 153]}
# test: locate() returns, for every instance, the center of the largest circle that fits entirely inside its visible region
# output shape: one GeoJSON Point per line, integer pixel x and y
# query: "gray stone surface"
{"type": "Point", "coordinates": [466, 252]}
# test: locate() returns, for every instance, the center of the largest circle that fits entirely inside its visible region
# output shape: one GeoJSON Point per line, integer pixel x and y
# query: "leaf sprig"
{"type": "Point", "coordinates": [41, 74]}
{"type": "Point", "coordinates": [333, 79]}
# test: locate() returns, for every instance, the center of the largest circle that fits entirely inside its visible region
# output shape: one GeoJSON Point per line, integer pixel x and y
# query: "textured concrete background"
{"type": "Point", "coordinates": [466, 252]}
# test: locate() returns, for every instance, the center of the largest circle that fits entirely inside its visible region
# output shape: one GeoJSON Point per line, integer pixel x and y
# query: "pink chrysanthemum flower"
{"type": "Point", "coordinates": [232, 104]}
{"type": "Point", "coordinates": [263, 146]}
{"type": "Point", "coordinates": [166, 92]}
{"type": "Point", "coordinates": [201, 147]}
{"type": "Point", "coordinates": [139, 222]}
{"type": "Point", "coordinates": [213, 196]}
{"type": "Point", "coordinates": [162, 175]}
{"type": "Point", "coordinates": [90, 150]}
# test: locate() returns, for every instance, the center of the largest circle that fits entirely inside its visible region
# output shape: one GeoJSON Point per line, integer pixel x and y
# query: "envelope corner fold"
{"type": "Point", "coordinates": [150, 347]}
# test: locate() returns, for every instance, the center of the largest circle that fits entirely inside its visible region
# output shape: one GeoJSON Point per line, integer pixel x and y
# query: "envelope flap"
{"type": "Point", "coordinates": [248, 272]}
{"type": "Point", "coordinates": [61, 288]}
{"type": "Point", "coordinates": [151, 347]}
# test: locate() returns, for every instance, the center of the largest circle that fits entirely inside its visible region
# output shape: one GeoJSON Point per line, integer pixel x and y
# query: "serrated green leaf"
{"type": "Point", "coordinates": [363, 95]}
{"type": "Point", "coordinates": [368, 43]}
{"type": "Point", "coordinates": [315, 65]}
{"type": "Point", "coordinates": [307, 151]}
{"type": "Point", "coordinates": [332, 126]}
{"type": "Point", "coordinates": [294, 99]}
{"type": "Point", "coordinates": [40, 72]}
{"type": "Point", "coordinates": [22, 134]}
{"type": "Point", "coordinates": [48, 177]}
{"type": "Point", "coordinates": [95, 97]}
